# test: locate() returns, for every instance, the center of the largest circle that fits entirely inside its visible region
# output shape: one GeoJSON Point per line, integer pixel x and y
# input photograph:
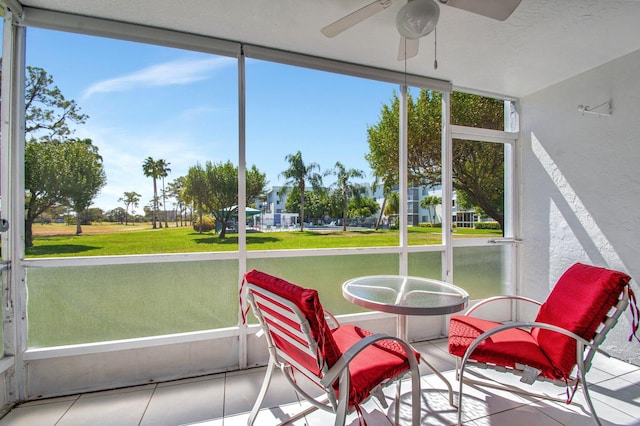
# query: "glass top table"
{"type": "Point", "coordinates": [406, 295]}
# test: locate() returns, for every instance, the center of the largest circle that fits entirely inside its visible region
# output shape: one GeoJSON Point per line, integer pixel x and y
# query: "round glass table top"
{"type": "Point", "coordinates": [405, 295]}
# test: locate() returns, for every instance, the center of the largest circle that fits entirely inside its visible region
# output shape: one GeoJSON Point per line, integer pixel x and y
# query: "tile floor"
{"type": "Point", "coordinates": [226, 399]}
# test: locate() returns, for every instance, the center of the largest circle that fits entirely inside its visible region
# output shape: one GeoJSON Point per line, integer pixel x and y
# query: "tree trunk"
{"type": "Point", "coordinates": [155, 202]}
{"type": "Point", "coordinates": [78, 225]}
{"type": "Point", "coordinates": [384, 203]}
{"type": "Point", "coordinates": [28, 233]}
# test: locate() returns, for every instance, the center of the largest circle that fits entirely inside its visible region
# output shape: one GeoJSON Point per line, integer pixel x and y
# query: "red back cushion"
{"type": "Point", "coordinates": [308, 302]}
{"type": "Point", "coordinates": [579, 302]}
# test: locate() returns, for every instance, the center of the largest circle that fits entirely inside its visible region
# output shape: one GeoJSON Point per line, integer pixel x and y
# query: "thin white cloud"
{"type": "Point", "coordinates": [166, 74]}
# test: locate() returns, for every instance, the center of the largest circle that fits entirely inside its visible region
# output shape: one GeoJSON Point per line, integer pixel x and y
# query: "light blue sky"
{"type": "Point", "coordinates": [182, 106]}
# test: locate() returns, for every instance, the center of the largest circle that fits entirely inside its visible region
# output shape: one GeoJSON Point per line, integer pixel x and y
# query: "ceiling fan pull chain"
{"type": "Point", "coordinates": [435, 49]}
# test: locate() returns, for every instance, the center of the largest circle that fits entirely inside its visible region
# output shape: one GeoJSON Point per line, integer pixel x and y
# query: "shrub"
{"type": "Point", "coordinates": [487, 225]}
{"type": "Point", "coordinates": [425, 225]}
{"type": "Point", "coordinates": [208, 224]}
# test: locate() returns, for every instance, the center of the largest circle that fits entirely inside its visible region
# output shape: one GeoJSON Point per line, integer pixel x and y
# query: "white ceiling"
{"type": "Point", "coordinates": [542, 43]}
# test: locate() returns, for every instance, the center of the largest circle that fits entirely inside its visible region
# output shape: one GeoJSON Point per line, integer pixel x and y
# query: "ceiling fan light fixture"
{"type": "Point", "coordinates": [417, 18]}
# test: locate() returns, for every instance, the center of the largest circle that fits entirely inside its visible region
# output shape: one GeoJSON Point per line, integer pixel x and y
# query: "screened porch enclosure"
{"type": "Point", "coordinates": [85, 323]}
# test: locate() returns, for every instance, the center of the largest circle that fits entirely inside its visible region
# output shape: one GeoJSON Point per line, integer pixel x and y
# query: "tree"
{"type": "Point", "coordinates": [163, 171]}
{"type": "Point", "coordinates": [150, 169]}
{"type": "Point", "coordinates": [363, 207]}
{"type": "Point", "coordinates": [344, 189]}
{"type": "Point", "coordinates": [48, 115]}
{"type": "Point", "coordinates": [222, 183]}
{"type": "Point", "coordinates": [48, 112]}
{"type": "Point", "coordinates": [477, 167]}
{"type": "Point", "coordinates": [195, 190]}
{"type": "Point", "coordinates": [84, 176]}
{"type": "Point", "coordinates": [130, 198]}
{"type": "Point", "coordinates": [175, 189]}
{"type": "Point", "coordinates": [214, 189]}
{"type": "Point", "coordinates": [116, 215]}
{"type": "Point", "coordinates": [297, 175]}
{"type": "Point", "coordinates": [429, 202]}
{"type": "Point", "coordinates": [43, 186]}
{"type": "Point", "coordinates": [392, 209]}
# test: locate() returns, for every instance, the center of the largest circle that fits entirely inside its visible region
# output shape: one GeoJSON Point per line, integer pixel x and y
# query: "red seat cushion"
{"type": "Point", "coordinates": [579, 302]}
{"type": "Point", "coordinates": [383, 360]}
{"type": "Point", "coordinates": [505, 348]}
{"type": "Point", "coordinates": [308, 302]}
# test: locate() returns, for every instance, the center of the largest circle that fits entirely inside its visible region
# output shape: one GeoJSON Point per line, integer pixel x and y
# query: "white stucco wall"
{"type": "Point", "coordinates": [580, 183]}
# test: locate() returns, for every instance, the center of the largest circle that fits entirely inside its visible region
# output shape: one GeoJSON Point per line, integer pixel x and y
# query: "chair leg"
{"type": "Point", "coordinates": [585, 390]}
{"type": "Point", "coordinates": [263, 392]}
{"type": "Point", "coordinates": [398, 393]}
{"type": "Point", "coordinates": [416, 398]}
{"type": "Point", "coordinates": [343, 402]}
{"type": "Point", "coordinates": [460, 373]}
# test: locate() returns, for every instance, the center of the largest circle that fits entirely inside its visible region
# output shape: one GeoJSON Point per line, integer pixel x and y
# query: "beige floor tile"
{"type": "Point", "coordinates": [186, 402]}
{"type": "Point", "coordinates": [111, 408]}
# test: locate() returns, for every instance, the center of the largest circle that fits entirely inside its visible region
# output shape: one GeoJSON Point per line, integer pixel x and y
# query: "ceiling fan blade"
{"type": "Point", "coordinates": [408, 48]}
{"type": "Point", "coordinates": [495, 9]}
{"type": "Point", "coordinates": [354, 18]}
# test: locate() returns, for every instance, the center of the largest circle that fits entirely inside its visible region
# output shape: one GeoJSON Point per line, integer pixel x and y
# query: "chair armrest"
{"type": "Point", "coordinates": [497, 298]}
{"type": "Point", "coordinates": [343, 363]}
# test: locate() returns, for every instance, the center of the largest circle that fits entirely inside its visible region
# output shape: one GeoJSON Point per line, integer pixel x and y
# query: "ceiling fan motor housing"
{"type": "Point", "coordinates": [417, 18]}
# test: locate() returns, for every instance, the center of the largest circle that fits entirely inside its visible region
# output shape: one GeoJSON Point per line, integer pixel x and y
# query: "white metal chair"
{"type": "Point", "coordinates": [348, 363]}
{"type": "Point", "coordinates": [558, 346]}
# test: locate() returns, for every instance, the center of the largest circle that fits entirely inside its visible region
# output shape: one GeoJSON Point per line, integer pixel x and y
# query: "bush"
{"type": "Point", "coordinates": [208, 224]}
{"type": "Point", "coordinates": [425, 225]}
{"type": "Point", "coordinates": [487, 225]}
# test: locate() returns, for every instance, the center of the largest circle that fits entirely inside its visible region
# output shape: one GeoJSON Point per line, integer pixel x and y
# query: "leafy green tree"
{"type": "Point", "coordinates": [344, 189]}
{"type": "Point", "coordinates": [131, 198]}
{"type": "Point", "coordinates": [116, 215]}
{"type": "Point", "coordinates": [196, 191]}
{"type": "Point", "coordinates": [150, 169]}
{"type": "Point", "coordinates": [92, 215]}
{"type": "Point", "coordinates": [43, 182]}
{"type": "Point", "coordinates": [163, 172]}
{"type": "Point", "coordinates": [222, 200]}
{"type": "Point", "coordinates": [363, 207]}
{"type": "Point", "coordinates": [297, 175]}
{"type": "Point", "coordinates": [477, 167]}
{"type": "Point", "coordinates": [316, 204]}
{"type": "Point", "coordinates": [84, 176]}
{"type": "Point", "coordinates": [429, 202]}
{"type": "Point", "coordinates": [175, 189]}
{"type": "Point", "coordinates": [214, 189]}
{"type": "Point", "coordinates": [60, 173]}
{"type": "Point", "coordinates": [48, 116]}
{"type": "Point", "coordinates": [222, 184]}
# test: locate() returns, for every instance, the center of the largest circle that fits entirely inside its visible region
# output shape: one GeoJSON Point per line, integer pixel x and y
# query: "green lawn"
{"type": "Point", "coordinates": [186, 240]}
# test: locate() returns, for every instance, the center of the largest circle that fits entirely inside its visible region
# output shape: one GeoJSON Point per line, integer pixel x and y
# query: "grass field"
{"type": "Point", "coordinates": [59, 240]}
{"type": "Point", "coordinates": [81, 304]}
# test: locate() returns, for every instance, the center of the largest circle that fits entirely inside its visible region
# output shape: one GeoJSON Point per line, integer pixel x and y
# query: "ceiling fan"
{"type": "Point", "coordinates": [418, 18]}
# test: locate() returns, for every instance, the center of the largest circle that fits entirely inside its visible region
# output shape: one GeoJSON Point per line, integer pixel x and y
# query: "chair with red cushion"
{"type": "Point", "coordinates": [348, 363]}
{"type": "Point", "coordinates": [584, 305]}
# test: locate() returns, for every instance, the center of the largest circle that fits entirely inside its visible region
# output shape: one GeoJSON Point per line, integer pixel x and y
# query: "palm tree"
{"type": "Point", "coordinates": [130, 198]}
{"type": "Point", "coordinates": [343, 188]}
{"type": "Point", "coordinates": [297, 175]}
{"type": "Point", "coordinates": [163, 171]}
{"type": "Point", "coordinates": [150, 169]}
{"type": "Point", "coordinates": [392, 208]}
{"type": "Point", "coordinates": [428, 202]}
